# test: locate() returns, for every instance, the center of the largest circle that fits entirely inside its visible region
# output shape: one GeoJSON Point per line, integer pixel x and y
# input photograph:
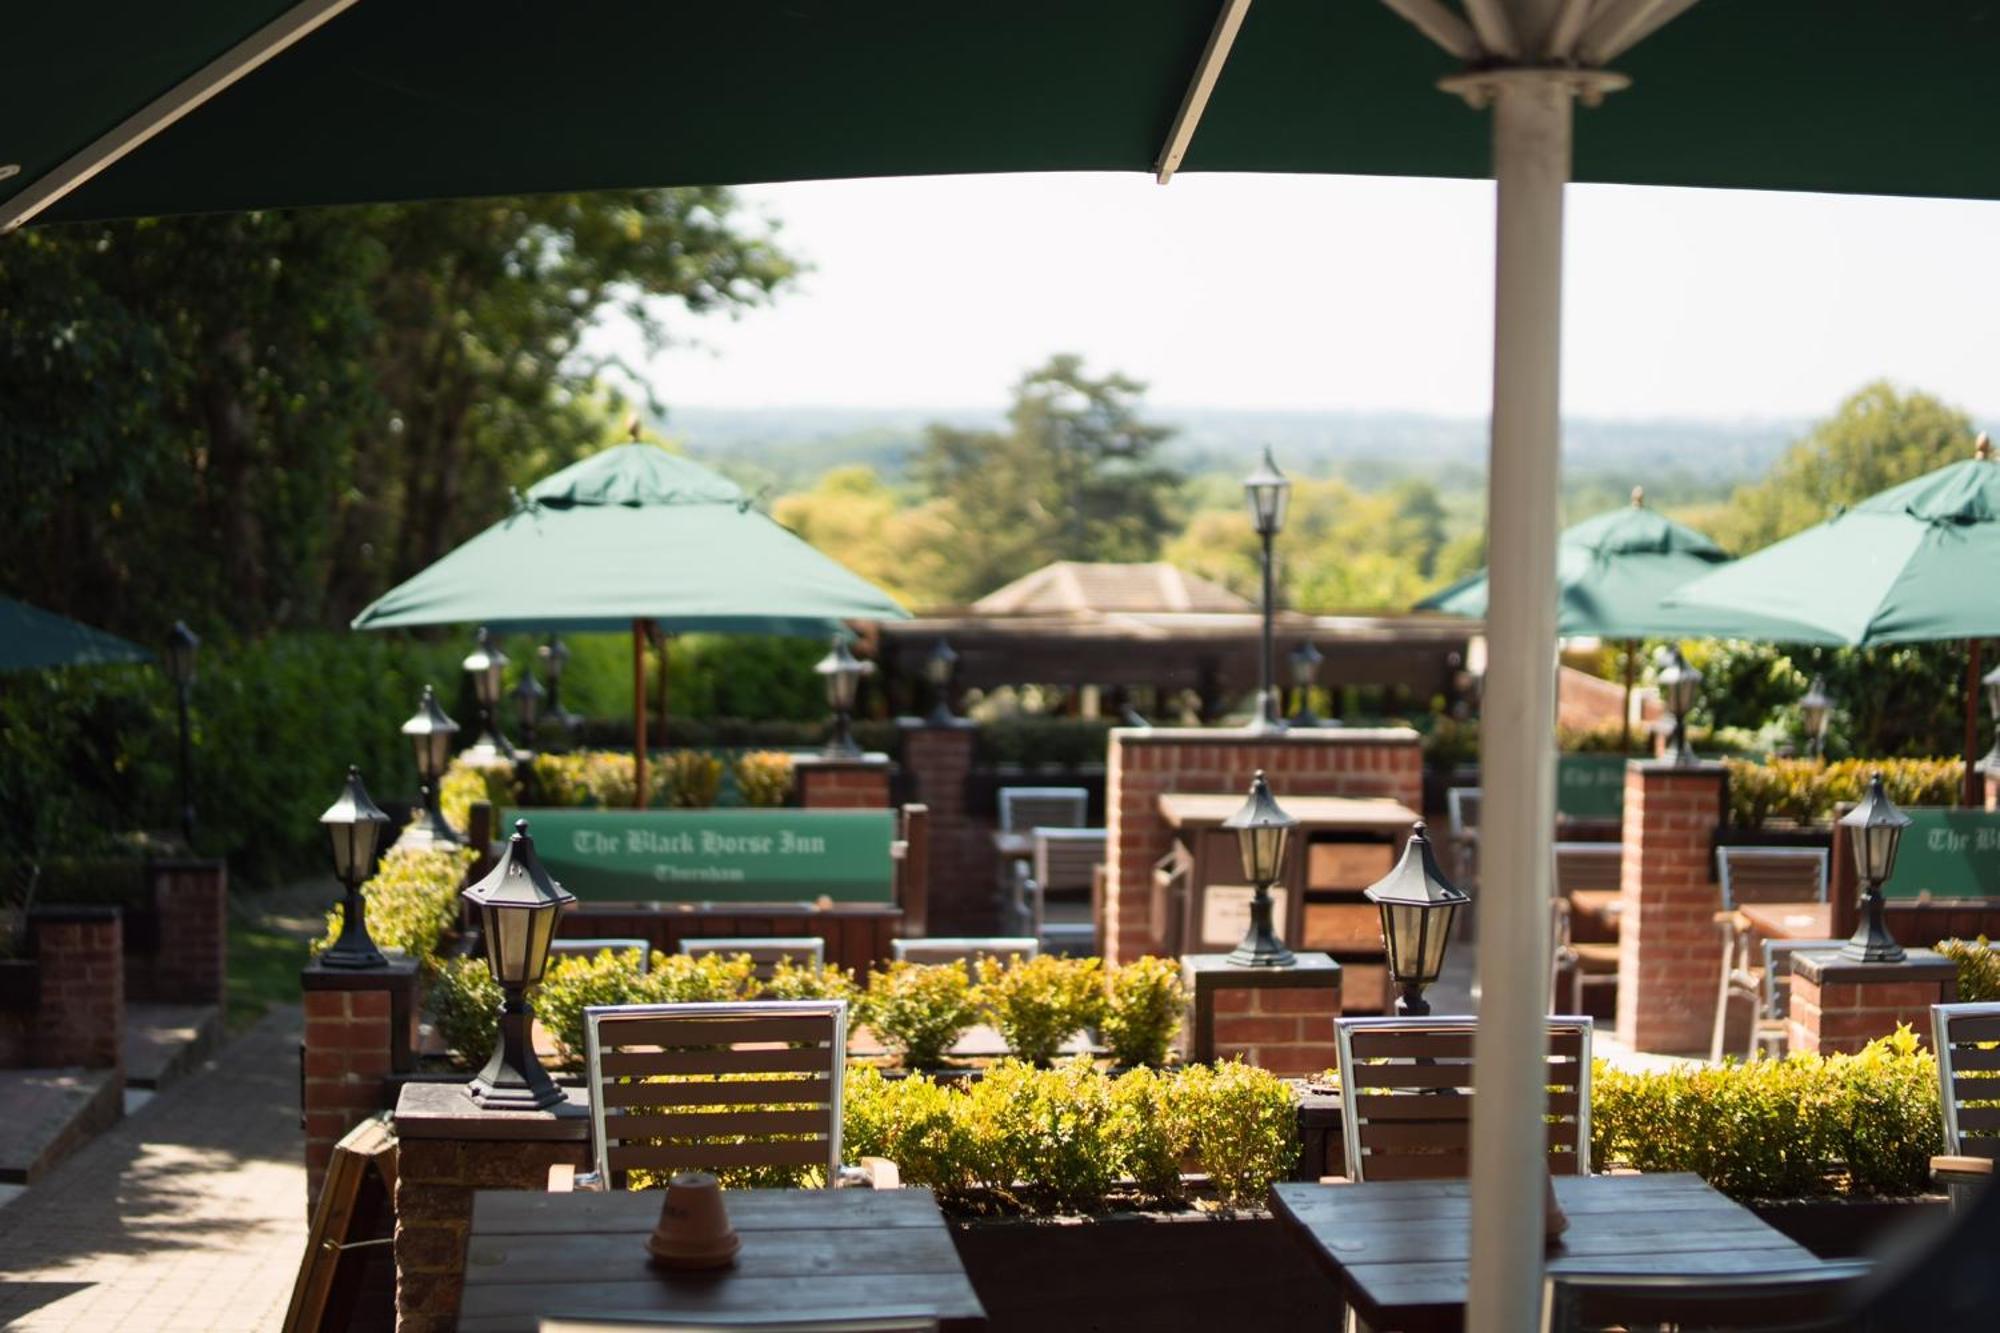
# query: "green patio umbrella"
{"type": "Point", "coordinates": [1915, 563]}
{"type": "Point", "coordinates": [635, 538]}
{"type": "Point", "coordinates": [31, 639]}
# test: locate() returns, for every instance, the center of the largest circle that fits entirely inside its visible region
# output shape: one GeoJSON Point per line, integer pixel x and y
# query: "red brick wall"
{"type": "Point", "coordinates": [80, 1017]}
{"type": "Point", "coordinates": [962, 894]}
{"type": "Point", "coordinates": [352, 1043]}
{"type": "Point", "coordinates": [1286, 1030]}
{"type": "Point", "coordinates": [860, 785]}
{"type": "Point", "coordinates": [1670, 949]}
{"type": "Point", "coordinates": [1838, 1013]}
{"type": "Point", "coordinates": [1144, 765]}
{"type": "Point", "coordinates": [191, 965]}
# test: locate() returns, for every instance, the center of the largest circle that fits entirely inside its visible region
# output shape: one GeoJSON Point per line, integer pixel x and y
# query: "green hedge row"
{"type": "Point", "coordinates": [1807, 790]}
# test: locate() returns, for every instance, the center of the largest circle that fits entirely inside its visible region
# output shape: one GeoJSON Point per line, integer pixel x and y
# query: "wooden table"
{"type": "Point", "coordinates": [1399, 1248]}
{"type": "Point", "coordinates": [818, 1253]}
{"type": "Point", "coordinates": [1790, 921]}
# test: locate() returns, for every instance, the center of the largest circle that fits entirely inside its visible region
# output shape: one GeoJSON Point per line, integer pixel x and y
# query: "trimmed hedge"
{"type": "Point", "coordinates": [410, 903]}
{"type": "Point", "coordinates": [675, 779]}
{"type": "Point", "coordinates": [1807, 790]}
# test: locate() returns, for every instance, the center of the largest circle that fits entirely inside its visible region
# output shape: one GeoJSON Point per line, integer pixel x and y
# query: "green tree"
{"type": "Point", "coordinates": [1075, 476]}
{"type": "Point", "coordinates": [902, 547]}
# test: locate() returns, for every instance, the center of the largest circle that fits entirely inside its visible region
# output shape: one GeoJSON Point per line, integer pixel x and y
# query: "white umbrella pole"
{"type": "Point", "coordinates": [1531, 161]}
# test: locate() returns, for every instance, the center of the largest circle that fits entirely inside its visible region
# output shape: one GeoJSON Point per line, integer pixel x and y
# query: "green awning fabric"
{"type": "Point", "coordinates": [31, 639]}
{"type": "Point", "coordinates": [1614, 571]}
{"type": "Point", "coordinates": [635, 533]}
{"type": "Point", "coordinates": [1918, 562]}
{"type": "Point", "coordinates": [466, 98]}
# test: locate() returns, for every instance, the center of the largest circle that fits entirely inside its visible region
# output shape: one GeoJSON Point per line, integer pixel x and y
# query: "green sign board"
{"type": "Point", "coordinates": [1948, 854]}
{"type": "Point", "coordinates": [1590, 786]}
{"type": "Point", "coordinates": [723, 856]}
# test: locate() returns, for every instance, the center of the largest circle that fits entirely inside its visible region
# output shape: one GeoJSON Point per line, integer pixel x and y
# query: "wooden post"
{"type": "Point", "coordinates": [639, 714]}
{"type": "Point", "coordinates": [1973, 796]}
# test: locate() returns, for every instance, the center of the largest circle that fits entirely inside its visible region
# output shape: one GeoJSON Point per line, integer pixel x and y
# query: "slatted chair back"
{"type": "Point", "coordinates": [708, 1087]}
{"type": "Point", "coordinates": [766, 951]}
{"type": "Point", "coordinates": [1820, 1297]}
{"type": "Point", "coordinates": [1588, 867]}
{"type": "Point", "coordinates": [1777, 958]}
{"type": "Point", "coordinates": [1964, 1036]}
{"type": "Point", "coordinates": [1770, 875]}
{"type": "Point", "coordinates": [1406, 1086]}
{"type": "Point", "coordinates": [1066, 857]}
{"type": "Point", "coordinates": [1461, 806]}
{"type": "Point", "coordinates": [966, 949]}
{"type": "Point", "coordinates": [1025, 809]}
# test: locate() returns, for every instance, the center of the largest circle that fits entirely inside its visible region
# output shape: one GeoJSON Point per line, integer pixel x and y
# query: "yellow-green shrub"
{"type": "Point", "coordinates": [1801, 1127]}
{"type": "Point", "coordinates": [919, 1012]}
{"type": "Point", "coordinates": [465, 784]}
{"type": "Point", "coordinates": [1978, 969]}
{"type": "Point", "coordinates": [1154, 1129]}
{"type": "Point", "coordinates": [1040, 1003]}
{"type": "Point", "coordinates": [465, 1004]}
{"type": "Point", "coordinates": [913, 1122]}
{"type": "Point", "coordinates": [689, 779]}
{"type": "Point", "coordinates": [1144, 1003]}
{"type": "Point", "coordinates": [410, 903]}
{"type": "Point", "coordinates": [764, 777]}
{"type": "Point", "coordinates": [1807, 790]}
{"type": "Point", "coordinates": [808, 981]}
{"type": "Point", "coordinates": [1245, 1128]}
{"type": "Point", "coordinates": [575, 983]}
{"type": "Point", "coordinates": [1046, 1136]}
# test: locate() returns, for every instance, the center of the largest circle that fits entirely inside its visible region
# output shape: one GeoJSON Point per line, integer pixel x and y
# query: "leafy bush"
{"type": "Point", "coordinates": [1978, 969]}
{"type": "Point", "coordinates": [919, 1012]}
{"type": "Point", "coordinates": [1154, 1130]}
{"type": "Point", "coordinates": [808, 981]}
{"type": "Point", "coordinates": [1604, 738]}
{"type": "Point", "coordinates": [1451, 742]}
{"type": "Point", "coordinates": [1244, 1128]}
{"type": "Point", "coordinates": [465, 1004]}
{"type": "Point", "coordinates": [689, 779]}
{"type": "Point", "coordinates": [1041, 1003]}
{"type": "Point", "coordinates": [1806, 790]}
{"type": "Point", "coordinates": [410, 903]}
{"type": "Point", "coordinates": [1064, 742]}
{"type": "Point", "coordinates": [763, 777]}
{"type": "Point", "coordinates": [1806, 1126]}
{"type": "Point", "coordinates": [575, 983]}
{"type": "Point", "coordinates": [913, 1122]}
{"type": "Point", "coordinates": [1143, 1009]}
{"type": "Point", "coordinates": [465, 784]}
{"type": "Point", "coordinates": [1048, 1137]}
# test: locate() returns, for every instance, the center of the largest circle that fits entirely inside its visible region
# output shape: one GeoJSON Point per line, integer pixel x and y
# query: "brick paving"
{"type": "Point", "coordinates": [190, 1214]}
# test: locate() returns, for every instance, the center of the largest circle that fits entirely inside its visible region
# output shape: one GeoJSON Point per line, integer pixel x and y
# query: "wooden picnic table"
{"type": "Point", "coordinates": [1790, 921]}
{"type": "Point", "coordinates": [1400, 1248]}
{"type": "Point", "coordinates": [817, 1253]}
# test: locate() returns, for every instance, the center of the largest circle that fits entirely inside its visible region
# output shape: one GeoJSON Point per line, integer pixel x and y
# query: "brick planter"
{"type": "Point", "coordinates": [80, 1003]}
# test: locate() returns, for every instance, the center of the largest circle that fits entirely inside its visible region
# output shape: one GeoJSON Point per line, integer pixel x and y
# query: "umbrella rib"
{"type": "Point", "coordinates": [170, 107]}
{"type": "Point", "coordinates": [1220, 39]}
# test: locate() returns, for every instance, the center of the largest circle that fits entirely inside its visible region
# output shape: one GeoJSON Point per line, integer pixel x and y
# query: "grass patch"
{"type": "Point", "coordinates": [264, 965]}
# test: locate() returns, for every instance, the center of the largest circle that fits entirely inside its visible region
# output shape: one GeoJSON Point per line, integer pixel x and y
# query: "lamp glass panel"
{"type": "Point", "coordinates": [1875, 850]}
{"type": "Point", "coordinates": [1398, 922]}
{"type": "Point", "coordinates": [1268, 503]}
{"type": "Point", "coordinates": [542, 932]}
{"type": "Point", "coordinates": [1437, 927]}
{"type": "Point", "coordinates": [1263, 852]}
{"type": "Point", "coordinates": [840, 688]}
{"type": "Point", "coordinates": [508, 937]}
{"type": "Point", "coordinates": [353, 847]}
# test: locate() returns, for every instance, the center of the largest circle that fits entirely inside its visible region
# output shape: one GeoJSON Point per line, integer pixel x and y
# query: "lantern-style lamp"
{"type": "Point", "coordinates": [1680, 686]}
{"type": "Point", "coordinates": [182, 647]}
{"type": "Point", "coordinates": [1262, 831]}
{"type": "Point", "coordinates": [1418, 904]}
{"type": "Point", "coordinates": [842, 671]}
{"type": "Point", "coordinates": [529, 696]}
{"type": "Point", "coordinates": [1816, 710]}
{"type": "Point", "coordinates": [1268, 494]}
{"type": "Point", "coordinates": [354, 827]}
{"type": "Point", "coordinates": [519, 904]}
{"type": "Point", "coordinates": [1991, 680]}
{"type": "Point", "coordinates": [431, 732]}
{"type": "Point", "coordinates": [485, 666]}
{"type": "Point", "coordinates": [1875, 830]}
{"type": "Point", "coordinates": [1305, 662]}
{"type": "Point", "coordinates": [939, 668]}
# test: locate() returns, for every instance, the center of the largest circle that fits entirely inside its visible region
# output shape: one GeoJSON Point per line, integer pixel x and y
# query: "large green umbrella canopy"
{"type": "Point", "coordinates": [31, 639]}
{"type": "Point", "coordinates": [389, 101]}
{"type": "Point", "coordinates": [1613, 573]}
{"type": "Point", "coordinates": [629, 534]}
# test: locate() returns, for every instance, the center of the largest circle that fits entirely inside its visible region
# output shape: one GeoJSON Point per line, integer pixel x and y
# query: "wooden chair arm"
{"type": "Point", "coordinates": [873, 1173]}
{"type": "Point", "coordinates": [1335, 1180]}
{"type": "Point", "coordinates": [562, 1178]}
{"type": "Point", "coordinates": [1961, 1170]}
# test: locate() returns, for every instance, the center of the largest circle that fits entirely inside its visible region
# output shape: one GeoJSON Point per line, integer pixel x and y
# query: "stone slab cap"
{"type": "Point", "coordinates": [1826, 967]}
{"type": "Point", "coordinates": [1238, 738]}
{"type": "Point", "coordinates": [872, 760]}
{"type": "Point", "coordinates": [1214, 971]}
{"type": "Point", "coordinates": [397, 973]}
{"type": "Point", "coordinates": [910, 723]}
{"type": "Point", "coordinates": [1706, 768]}
{"type": "Point", "coordinates": [61, 913]}
{"type": "Point", "coordinates": [444, 1111]}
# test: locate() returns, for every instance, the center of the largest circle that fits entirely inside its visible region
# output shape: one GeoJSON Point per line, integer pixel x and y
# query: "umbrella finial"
{"type": "Point", "coordinates": [1638, 496]}
{"type": "Point", "coordinates": [1982, 448]}
{"type": "Point", "coordinates": [632, 427]}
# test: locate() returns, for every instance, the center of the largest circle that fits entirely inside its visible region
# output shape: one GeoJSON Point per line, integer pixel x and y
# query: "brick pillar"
{"type": "Point", "coordinates": [192, 899]}
{"type": "Point", "coordinates": [80, 1010]}
{"type": "Point", "coordinates": [1837, 1005]}
{"type": "Point", "coordinates": [962, 886]}
{"type": "Point", "coordinates": [360, 1028]}
{"type": "Point", "coordinates": [1669, 947]}
{"type": "Point", "coordinates": [447, 1147]}
{"type": "Point", "coordinates": [843, 784]}
{"type": "Point", "coordinates": [1278, 1017]}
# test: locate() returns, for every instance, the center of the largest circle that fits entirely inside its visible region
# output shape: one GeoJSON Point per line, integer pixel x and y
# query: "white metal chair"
{"type": "Point", "coordinates": [1063, 863]}
{"type": "Point", "coordinates": [966, 949]}
{"type": "Point", "coordinates": [716, 1087]}
{"type": "Point", "coordinates": [1966, 1038]}
{"type": "Point", "coordinates": [1757, 875]}
{"type": "Point", "coordinates": [1023, 809]}
{"type": "Point", "coordinates": [590, 948]}
{"type": "Point", "coordinates": [1461, 805]}
{"type": "Point", "coordinates": [766, 951]}
{"type": "Point", "coordinates": [1799, 1299]}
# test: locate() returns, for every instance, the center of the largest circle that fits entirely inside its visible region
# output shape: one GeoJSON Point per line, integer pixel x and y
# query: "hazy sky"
{"type": "Point", "coordinates": [1350, 293]}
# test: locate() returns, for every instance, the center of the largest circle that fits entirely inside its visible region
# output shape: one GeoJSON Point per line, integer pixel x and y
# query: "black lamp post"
{"type": "Point", "coordinates": [430, 731]}
{"type": "Point", "coordinates": [939, 668]}
{"type": "Point", "coordinates": [1262, 830]}
{"type": "Point", "coordinates": [1418, 904]}
{"type": "Point", "coordinates": [519, 905]}
{"type": "Point", "coordinates": [1991, 681]}
{"type": "Point", "coordinates": [554, 656]}
{"type": "Point", "coordinates": [1305, 661]}
{"type": "Point", "coordinates": [842, 671]}
{"type": "Point", "coordinates": [1268, 494]}
{"type": "Point", "coordinates": [1875, 828]}
{"type": "Point", "coordinates": [529, 696]}
{"type": "Point", "coordinates": [487, 665]}
{"type": "Point", "coordinates": [1679, 684]}
{"type": "Point", "coordinates": [182, 646]}
{"type": "Point", "coordinates": [1816, 710]}
{"type": "Point", "coordinates": [354, 826]}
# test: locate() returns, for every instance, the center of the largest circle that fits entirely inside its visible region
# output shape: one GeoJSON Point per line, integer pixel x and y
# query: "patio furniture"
{"type": "Point", "coordinates": [1025, 809]}
{"type": "Point", "coordinates": [1818, 1297]}
{"type": "Point", "coordinates": [766, 951]}
{"type": "Point", "coordinates": [1770, 1030]}
{"type": "Point", "coordinates": [1063, 863]}
{"type": "Point", "coordinates": [1589, 878]}
{"type": "Point", "coordinates": [1969, 1092]}
{"type": "Point", "coordinates": [590, 948]}
{"type": "Point", "coordinates": [1576, 968]}
{"type": "Point", "coordinates": [807, 1255]}
{"type": "Point", "coordinates": [1461, 805]}
{"type": "Point", "coordinates": [1400, 1248]}
{"type": "Point", "coordinates": [1407, 1085]}
{"type": "Point", "coordinates": [966, 949]}
{"type": "Point", "coordinates": [670, 1090]}
{"type": "Point", "coordinates": [1789, 921]}
{"type": "Point", "coordinates": [1766, 876]}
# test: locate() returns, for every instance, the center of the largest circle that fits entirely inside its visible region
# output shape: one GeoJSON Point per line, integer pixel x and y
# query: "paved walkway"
{"type": "Point", "coordinates": [189, 1215]}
